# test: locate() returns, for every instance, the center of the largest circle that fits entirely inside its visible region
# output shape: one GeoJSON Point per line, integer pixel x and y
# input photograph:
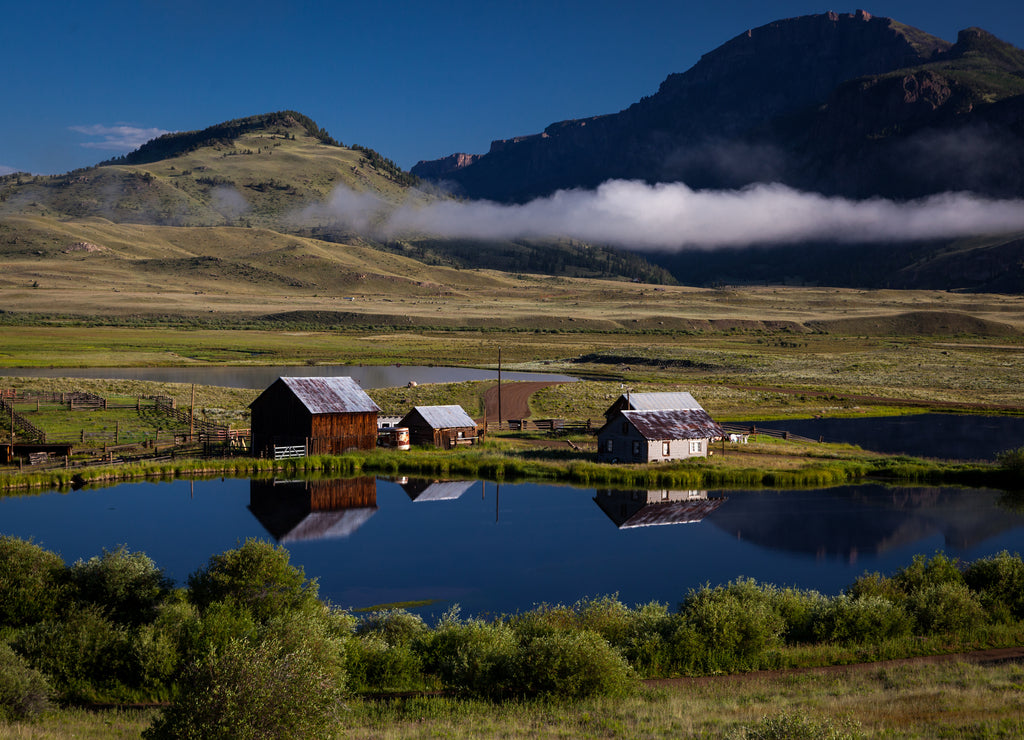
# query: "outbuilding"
{"type": "Point", "coordinates": [656, 436]}
{"type": "Point", "coordinates": [440, 426]}
{"type": "Point", "coordinates": [323, 415]}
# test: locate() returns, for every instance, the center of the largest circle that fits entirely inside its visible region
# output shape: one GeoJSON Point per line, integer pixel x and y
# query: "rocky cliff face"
{"type": "Point", "coordinates": [818, 102]}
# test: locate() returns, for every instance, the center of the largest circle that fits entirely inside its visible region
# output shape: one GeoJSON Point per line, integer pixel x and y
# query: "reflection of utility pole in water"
{"type": "Point", "coordinates": [497, 499]}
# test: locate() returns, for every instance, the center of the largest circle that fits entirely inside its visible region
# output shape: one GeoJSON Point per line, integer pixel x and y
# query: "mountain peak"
{"type": "Point", "coordinates": [181, 142]}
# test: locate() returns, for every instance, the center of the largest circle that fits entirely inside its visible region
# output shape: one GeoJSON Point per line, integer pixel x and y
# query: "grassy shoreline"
{"type": "Point", "coordinates": [493, 463]}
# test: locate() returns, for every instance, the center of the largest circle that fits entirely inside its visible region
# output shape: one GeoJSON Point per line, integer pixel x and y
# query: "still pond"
{"type": "Point", "coordinates": [494, 549]}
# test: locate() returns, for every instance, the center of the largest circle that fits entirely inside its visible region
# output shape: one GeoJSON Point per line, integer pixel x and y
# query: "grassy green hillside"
{"type": "Point", "coordinates": [246, 203]}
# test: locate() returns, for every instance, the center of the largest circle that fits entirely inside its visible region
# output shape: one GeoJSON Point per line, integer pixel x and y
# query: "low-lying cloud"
{"type": "Point", "coordinates": [119, 138]}
{"type": "Point", "coordinates": [668, 217]}
{"type": "Point", "coordinates": [5, 170]}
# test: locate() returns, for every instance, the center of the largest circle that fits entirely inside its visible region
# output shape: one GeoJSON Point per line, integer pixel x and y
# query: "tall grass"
{"type": "Point", "coordinates": [492, 461]}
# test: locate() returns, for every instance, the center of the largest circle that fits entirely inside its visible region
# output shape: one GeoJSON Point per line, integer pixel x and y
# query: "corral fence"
{"type": "Point", "coordinates": [752, 429]}
{"type": "Point", "coordinates": [552, 427]}
{"type": "Point", "coordinates": [186, 436]}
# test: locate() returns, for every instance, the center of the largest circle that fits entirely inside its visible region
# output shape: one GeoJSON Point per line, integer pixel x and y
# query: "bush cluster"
{"type": "Point", "coordinates": [248, 650]}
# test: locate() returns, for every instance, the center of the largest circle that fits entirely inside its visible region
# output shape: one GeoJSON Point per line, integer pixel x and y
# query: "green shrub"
{"type": "Point", "coordinates": [946, 608]}
{"type": "Point", "coordinates": [570, 665]}
{"type": "Point", "coordinates": [922, 573]}
{"type": "Point", "coordinates": [220, 623]}
{"type": "Point", "coordinates": [863, 619]}
{"type": "Point", "coordinates": [1012, 461]}
{"type": "Point", "coordinates": [999, 583]}
{"type": "Point", "coordinates": [475, 658]}
{"type": "Point", "coordinates": [798, 726]}
{"type": "Point", "coordinates": [257, 576]}
{"type": "Point", "coordinates": [877, 585]}
{"type": "Point", "coordinates": [373, 664]}
{"type": "Point", "coordinates": [31, 583]}
{"type": "Point", "coordinates": [127, 584]}
{"type": "Point", "coordinates": [798, 611]}
{"type": "Point", "coordinates": [253, 691]}
{"type": "Point", "coordinates": [394, 626]}
{"type": "Point", "coordinates": [24, 692]}
{"type": "Point", "coordinates": [735, 625]}
{"type": "Point", "coordinates": [86, 655]}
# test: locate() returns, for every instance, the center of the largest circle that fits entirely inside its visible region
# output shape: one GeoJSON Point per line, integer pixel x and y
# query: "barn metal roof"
{"type": "Point", "coordinates": [335, 395]}
{"type": "Point", "coordinates": [674, 424]}
{"type": "Point", "coordinates": [444, 417]}
{"type": "Point", "coordinates": [662, 401]}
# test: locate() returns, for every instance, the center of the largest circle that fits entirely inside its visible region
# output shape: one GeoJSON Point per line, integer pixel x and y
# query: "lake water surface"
{"type": "Point", "coordinates": [368, 376]}
{"type": "Point", "coordinates": [943, 436]}
{"type": "Point", "coordinates": [498, 549]}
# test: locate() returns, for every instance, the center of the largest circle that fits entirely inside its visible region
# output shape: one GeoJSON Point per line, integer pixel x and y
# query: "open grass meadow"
{"type": "Point", "coordinates": [954, 699]}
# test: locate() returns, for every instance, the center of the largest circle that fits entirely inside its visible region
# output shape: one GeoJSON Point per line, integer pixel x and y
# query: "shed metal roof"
{"type": "Point", "coordinates": [444, 417]}
{"type": "Point", "coordinates": [662, 401]}
{"type": "Point", "coordinates": [340, 394]}
{"type": "Point", "coordinates": [674, 424]}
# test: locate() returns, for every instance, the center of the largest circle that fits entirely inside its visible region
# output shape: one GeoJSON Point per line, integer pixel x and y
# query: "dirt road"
{"type": "Point", "coordinates": [515, 399]}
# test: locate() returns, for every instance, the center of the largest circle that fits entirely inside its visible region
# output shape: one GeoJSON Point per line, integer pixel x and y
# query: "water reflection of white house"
{"type": "Point", "coordinates": [639, 508]}
{"type": "Point", "coordinates": [293, 511]}
{"type": "Point", "coordinates": [420, 490]}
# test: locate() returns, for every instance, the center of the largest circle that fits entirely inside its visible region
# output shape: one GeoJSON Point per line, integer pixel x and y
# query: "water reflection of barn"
{"type": "Point", "coordinates": [639, 508]}
{"type": "Point", "coordinates": [424, 489]}
{"type": "Point", "coordinates": [312, 509]}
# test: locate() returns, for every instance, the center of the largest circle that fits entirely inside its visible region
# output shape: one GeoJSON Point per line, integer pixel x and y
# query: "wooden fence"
{"type": "Point", "coordinates": [551, 426]}
{"type": "Point", "coordinates": [776, 433]}
{"type": "Point", "coordinates": [18, 423]}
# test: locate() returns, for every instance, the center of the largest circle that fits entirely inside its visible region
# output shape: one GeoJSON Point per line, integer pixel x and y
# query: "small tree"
{"type": "Point", "coordinates": [128, 585]}
{"type": "Point", "coordinates": [30, 582]}
{"type": "Point", "coordinates": [251, 690]}
{"type": "Point", "coordinates": [257, 576]}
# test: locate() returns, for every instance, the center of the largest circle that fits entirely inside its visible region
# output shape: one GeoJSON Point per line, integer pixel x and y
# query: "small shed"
{"type": "Point", "coordinates": [327, 415]}
{"type": "Point", "coordinates": [440, 426]}
{"type": "Point", "coordinates": [654, 436]}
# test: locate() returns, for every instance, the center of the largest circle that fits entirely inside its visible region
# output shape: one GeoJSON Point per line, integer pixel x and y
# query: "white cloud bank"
{"type": "Point", "coordinates": [668, 217]}
{"type": "Point", "coordinates": [5, 170]}
{"type": "Point", "coordinates": [120, 138]}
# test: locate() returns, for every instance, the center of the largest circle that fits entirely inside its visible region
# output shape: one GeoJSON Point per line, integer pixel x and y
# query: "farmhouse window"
{"type": "Point", "coordinates": [636, 446]}
{"type": "Point", "coordinates": [625, 427]}
{"type": "Point", "coordinates": [608, 445]}
{"type": "Point", "coordinates": [696, 446]}
{"type": "Point", "coordinates": [665, 448]}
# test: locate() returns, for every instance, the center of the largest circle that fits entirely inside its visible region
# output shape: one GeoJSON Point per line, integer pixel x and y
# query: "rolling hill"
{"type": "Point", "coordinates": [247, 205]}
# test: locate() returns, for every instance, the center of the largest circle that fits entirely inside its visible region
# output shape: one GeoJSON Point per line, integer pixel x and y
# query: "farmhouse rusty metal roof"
{"type": "Point", "coordinates": [661, 401]}
{"type": "Point", "coordinates": [674, 424]}
{"type": "Point", "coordinates": [335, 395]}
{"type": "Point", "coordinates": [443, 417]}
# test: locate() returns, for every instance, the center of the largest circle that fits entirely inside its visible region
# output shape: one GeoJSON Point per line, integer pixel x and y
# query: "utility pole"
{"type": "Point", "coordinates": [192, 414]}
{"type": "Point", "coordinates": [499, 390]}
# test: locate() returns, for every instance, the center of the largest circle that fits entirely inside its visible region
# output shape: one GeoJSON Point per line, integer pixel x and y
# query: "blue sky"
{"type": "Point", "coordinates": [84, 81]}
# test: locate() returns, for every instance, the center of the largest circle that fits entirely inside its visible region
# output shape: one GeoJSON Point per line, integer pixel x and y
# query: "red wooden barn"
{"type": "Point", "coordinates": [327, 415]}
